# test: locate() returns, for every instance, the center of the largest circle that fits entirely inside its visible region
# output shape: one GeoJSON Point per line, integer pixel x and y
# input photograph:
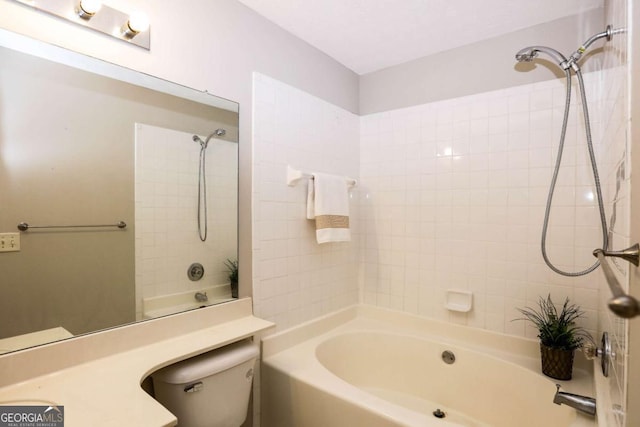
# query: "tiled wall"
{"type": "Point", "coordinates": [294, 278]}
{"type": "Point", "coordinates": [166, 192]}
{"type": "Point", "coordinates": [614, 127]}
{"type": "Point", "coordinates": [453, 198]}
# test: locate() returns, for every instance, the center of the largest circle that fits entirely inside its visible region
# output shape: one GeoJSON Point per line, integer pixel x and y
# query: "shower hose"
{"type": "Point", "coordinates": [594, 168]}
{"type": "Point", "coordinates": [202, 193]}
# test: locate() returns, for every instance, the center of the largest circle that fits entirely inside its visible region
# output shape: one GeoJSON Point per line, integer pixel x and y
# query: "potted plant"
{"type": "Point", "coordinates": [559, 335]}
{"type": "Point", "coordinates": [232, 269]}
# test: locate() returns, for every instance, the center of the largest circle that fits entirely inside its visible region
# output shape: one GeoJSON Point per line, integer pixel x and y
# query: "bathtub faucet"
{"type": "Point", "coordinates": [201, 297]}
{"type": "Point", "coordinates": [584, 404]}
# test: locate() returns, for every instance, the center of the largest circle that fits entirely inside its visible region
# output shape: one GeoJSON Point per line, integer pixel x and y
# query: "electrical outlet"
{"type": "Point", "coordinates": [9, 242]}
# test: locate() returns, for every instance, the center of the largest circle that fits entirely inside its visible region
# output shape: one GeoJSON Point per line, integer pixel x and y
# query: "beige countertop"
{"type": "Point", "coordinates": [105, 390]}
{"type": "Point", "coordinates": [34, 338]}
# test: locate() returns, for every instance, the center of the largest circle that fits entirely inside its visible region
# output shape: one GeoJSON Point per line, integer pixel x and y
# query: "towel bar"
{"type": "Point", "coordinates": [295, 175]}
{"type": "Point", "coordinates": [23, 226]}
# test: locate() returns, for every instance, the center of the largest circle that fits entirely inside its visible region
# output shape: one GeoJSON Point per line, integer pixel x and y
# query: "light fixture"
{"type": "Point", "coordinates": [87, 8]}
{"type": "Point", "coordinates": [131, 28]}
{"type": "Point", "coordinates": [136, 24]}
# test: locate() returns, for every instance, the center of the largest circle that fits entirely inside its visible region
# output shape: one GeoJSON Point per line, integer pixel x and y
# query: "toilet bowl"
{"type": "Point", "coordinates": [209, 390]}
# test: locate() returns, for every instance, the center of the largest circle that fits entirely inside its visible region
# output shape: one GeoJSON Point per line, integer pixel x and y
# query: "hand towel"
{"type": "Point", "coordinates": [328, 204]}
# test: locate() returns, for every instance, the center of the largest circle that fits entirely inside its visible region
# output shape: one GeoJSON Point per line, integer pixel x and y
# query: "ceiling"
{"type": "Point", "coordinates": [368, 35]}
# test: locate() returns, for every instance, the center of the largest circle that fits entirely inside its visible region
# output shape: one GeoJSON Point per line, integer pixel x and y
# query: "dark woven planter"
{"type": "Point", "coordinates": [234, 289]}
{"type": "Point", "coordinates": [556, 363]}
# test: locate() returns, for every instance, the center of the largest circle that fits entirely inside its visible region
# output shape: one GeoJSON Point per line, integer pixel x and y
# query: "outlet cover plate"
{"type": "Point", "coordinates": [9, 242]}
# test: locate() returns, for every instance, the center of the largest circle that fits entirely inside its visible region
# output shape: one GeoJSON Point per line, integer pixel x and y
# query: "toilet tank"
{"type": "Point", "coordinates": [209, 390]}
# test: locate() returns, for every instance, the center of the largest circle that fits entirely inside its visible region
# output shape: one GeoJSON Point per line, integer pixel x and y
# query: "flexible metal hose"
{"type": "Point", "coordinates": [202, 192]}
{"type": "Point", "coordinates": [596, 178]}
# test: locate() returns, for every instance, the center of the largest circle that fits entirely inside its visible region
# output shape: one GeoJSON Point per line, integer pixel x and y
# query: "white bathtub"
{"type": "Point", "coordinates": [369, 367]}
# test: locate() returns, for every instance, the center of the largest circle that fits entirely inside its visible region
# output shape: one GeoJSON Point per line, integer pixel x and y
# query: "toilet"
{"type": "Point", "coordinates": [209, 390]}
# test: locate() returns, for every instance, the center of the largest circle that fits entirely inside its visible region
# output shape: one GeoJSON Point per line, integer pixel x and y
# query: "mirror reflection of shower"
{"type": "Point", "coordinates": [528, 54]}
{"type": "Point", "coordinates": [202, 182]}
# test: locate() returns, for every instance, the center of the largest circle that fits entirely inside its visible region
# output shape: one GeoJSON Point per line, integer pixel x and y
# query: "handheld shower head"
{"type": "Point", "coordinates": [216, 133]}
{"type": "Point", "coordinates": [526, 55]}
{"type": "Point", "coordinates": [529, 53]}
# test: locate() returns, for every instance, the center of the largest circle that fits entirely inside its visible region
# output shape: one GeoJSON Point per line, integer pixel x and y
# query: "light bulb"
{"type": "Point", "coordinates": [137, 23]}
{"type": "Point", "coordinates": [87, 8]}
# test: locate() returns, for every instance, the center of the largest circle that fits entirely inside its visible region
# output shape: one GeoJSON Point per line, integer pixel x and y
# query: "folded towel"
{"type": "Point", "coordinates": [328, 204]}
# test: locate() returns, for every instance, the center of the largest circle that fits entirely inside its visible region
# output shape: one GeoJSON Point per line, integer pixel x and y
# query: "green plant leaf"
{"type": "Point", "coordinates": [557, 329]}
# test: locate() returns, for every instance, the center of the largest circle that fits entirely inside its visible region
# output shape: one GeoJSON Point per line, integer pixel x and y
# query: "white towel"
{"type": "Point", "coordinates": [328, 204]}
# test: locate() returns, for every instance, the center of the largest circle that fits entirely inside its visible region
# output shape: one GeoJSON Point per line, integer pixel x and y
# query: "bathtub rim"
{"type": "Point", "coordinates": [501, 345]}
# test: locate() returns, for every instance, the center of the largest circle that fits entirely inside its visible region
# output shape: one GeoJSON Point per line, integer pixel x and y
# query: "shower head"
{"type": "Point", "coordinates": [529, 53]}
{"type": "Point", "coordinates": [526, 55]}
{"type": "Point", "coordinates": [216, 133]}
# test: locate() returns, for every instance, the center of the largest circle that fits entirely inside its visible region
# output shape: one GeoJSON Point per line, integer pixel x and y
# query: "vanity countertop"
{"type": "Point", "coordinates": [106, 391]}
{"type": "Point", "coordinates": [34, 338]}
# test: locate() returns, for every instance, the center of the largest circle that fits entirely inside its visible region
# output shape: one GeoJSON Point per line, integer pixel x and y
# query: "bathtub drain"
{"type": "Point", "coordinates": [448, 357]}
{"type": "Point", "coordinates": [439, 414]}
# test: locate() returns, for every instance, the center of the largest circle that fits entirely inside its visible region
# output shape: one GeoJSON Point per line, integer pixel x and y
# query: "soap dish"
{"type": "Point", "coordinates": [459, 300]}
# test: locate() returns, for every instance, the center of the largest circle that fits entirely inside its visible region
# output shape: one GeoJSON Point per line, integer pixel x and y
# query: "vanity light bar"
{"type": "Point", "coordinates": [93, 14]}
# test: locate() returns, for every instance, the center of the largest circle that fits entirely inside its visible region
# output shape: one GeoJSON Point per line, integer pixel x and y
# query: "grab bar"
{"type": "Point", "coordinates": [23, 226]}
{"type": "Point", "coordinates": [621, 304]}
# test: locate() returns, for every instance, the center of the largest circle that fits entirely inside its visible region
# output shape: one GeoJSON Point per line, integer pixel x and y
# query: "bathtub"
{"type": "Point", "coordinates": [370, 367]}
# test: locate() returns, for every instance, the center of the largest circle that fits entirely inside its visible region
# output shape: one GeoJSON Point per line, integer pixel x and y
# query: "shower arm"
{"type": "Point", "coordinates": [608, 33]}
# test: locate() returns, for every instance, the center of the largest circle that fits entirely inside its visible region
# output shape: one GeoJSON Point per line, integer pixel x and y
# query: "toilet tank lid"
{"type": "Point", "coordinates": [207, 364]}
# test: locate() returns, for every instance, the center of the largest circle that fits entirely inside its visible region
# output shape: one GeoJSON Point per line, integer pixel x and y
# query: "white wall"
{"type": "Point", "coordinates": [455, 198]}
{"type": "Point", "coordinates": [294, 278]}
{"type": "Point", "coordinates": [476, 68]}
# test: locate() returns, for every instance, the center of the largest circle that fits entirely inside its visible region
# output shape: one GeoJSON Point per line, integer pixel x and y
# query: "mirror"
{"type": "Point", "coordinates": [88, 143]}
